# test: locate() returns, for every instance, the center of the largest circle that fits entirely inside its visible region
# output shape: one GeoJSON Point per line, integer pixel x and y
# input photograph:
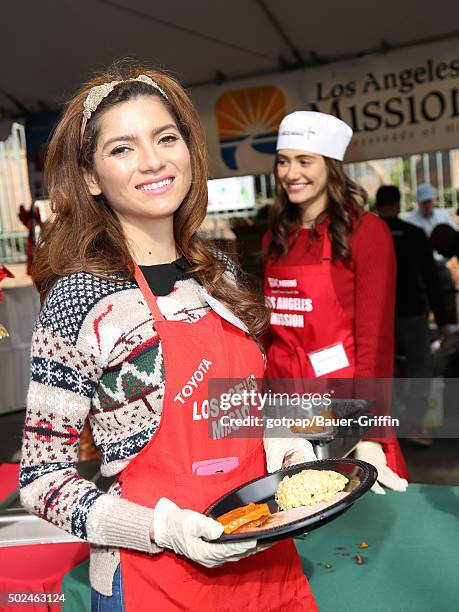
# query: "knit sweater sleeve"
{"type": "Point", "coordinates": [375, 275]}
{"type": "Point", "coordinates": [64, 376]}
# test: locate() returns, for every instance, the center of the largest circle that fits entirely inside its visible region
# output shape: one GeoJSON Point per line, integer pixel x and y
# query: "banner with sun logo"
{"type": "Point", "coordinates": [247, 122]}
{"type": "Point", "coordinates": [399, 103]}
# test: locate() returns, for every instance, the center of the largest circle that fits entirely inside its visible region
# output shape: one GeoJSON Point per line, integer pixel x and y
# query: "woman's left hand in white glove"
{"type": "Point", "coordinates": [287, 450]}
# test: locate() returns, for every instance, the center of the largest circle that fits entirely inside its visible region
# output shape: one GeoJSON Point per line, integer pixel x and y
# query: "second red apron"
{"type": "Point", "coordinates": [312, 336]}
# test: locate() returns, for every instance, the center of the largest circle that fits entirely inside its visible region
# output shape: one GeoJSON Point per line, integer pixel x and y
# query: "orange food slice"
{"type": "Point", "coordinates": [252, 515]}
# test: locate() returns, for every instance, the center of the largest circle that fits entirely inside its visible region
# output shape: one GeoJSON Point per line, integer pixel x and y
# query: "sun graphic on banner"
{"type": "Point", "coordinates": [247, 121]}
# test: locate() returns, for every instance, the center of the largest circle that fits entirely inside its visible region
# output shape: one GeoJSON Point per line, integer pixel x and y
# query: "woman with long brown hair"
{"type": "Point", "coordinates": [137, 316]}
{"type": "Point", "coordinates": [329, 274]}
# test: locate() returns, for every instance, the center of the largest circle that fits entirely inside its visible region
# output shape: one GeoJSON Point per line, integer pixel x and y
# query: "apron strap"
{"type": "Point", "coordinates": [147, 294]}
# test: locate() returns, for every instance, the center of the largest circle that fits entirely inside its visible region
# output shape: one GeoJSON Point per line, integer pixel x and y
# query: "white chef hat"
{"type": "Point", "coordinates": [314, 132]}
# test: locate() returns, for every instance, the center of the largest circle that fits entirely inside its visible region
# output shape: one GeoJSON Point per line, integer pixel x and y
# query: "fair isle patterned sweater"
{"type": "Point", "coordinates": [95, 353]}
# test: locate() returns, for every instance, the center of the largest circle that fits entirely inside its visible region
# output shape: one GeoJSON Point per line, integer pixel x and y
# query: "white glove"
{"type": "Point", "coordinates": [372, 452]}
{"type": "Point", "coordinates": [182, 531]}
{"type": "Point", "coordinates": [282, 452]}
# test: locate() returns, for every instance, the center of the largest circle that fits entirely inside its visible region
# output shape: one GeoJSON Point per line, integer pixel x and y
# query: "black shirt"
{"type": "Point", "coordinates": [418, 285]}
{"type": "Point", "coordinates": [161, 278]}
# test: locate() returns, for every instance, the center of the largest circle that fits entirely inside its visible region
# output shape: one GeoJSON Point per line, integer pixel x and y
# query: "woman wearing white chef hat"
{"type": "Point", "coordinates": [337, 263]}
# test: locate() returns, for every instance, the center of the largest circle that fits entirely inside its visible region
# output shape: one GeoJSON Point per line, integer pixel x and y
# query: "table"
{"type": "Point", "coordinates": [39, 568]}
{"type": "Point", "coordinates": [412, 557]}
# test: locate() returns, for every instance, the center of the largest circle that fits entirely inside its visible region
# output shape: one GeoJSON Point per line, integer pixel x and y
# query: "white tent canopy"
{"type": "Point", "coordinates": [49, 47]}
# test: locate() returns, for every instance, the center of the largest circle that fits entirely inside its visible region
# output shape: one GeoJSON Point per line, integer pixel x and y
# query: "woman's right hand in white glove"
{"type": "Point", "coordinates": [182, 531]}
{"type": "Point", "coordinates": [372, 452]}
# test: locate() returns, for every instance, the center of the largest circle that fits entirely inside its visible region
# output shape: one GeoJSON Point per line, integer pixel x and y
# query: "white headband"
{"type": "Point", "coordinates": [99, 92]}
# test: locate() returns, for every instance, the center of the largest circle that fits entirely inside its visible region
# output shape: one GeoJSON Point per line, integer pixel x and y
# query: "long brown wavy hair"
{"type": "Point", "coordinates": [344, 209]}
{"type": "Point", "coordinates": [86, 235]}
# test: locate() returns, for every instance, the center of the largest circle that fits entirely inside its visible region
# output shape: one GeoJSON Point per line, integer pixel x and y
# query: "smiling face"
{"type": "Point", "coordinates": [303, 176]}
{"type": "Point", "coordinates": [141, 161]}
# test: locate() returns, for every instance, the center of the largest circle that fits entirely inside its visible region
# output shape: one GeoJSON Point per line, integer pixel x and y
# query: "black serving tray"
{"type": "Point", "coordinates": [361, 476]}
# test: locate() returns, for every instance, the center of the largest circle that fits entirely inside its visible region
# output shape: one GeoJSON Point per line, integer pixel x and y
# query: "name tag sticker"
{"type": "Point", "coordinates": [328, 359]}
{"type": "Point", "coordinates": [223, 311]}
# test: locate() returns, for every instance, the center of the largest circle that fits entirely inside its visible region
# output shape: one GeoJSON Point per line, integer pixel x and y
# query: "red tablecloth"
{"type": "Point", "coordinates": [9, 475]}
{"type": "Point", "coordinates": [38, 568]}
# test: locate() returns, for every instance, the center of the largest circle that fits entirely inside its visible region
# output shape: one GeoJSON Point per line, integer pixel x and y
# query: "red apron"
{"type": "Point", "coordinates": [269, 580]}
{"type": "Point", "coordinates": [317, 321]}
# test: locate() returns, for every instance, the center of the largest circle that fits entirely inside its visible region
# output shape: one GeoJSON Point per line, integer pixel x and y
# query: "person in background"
{"type": "Point", "coordinates": [445, 240]}
{"type": "Point", "coordinates": [427, 216]}
{"type": "Point", "coordinates": [135, 306]}
{"type": "Point", "coordinates": [417, 292]}
{"type": "Point", "coordinates": [337, 264]}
